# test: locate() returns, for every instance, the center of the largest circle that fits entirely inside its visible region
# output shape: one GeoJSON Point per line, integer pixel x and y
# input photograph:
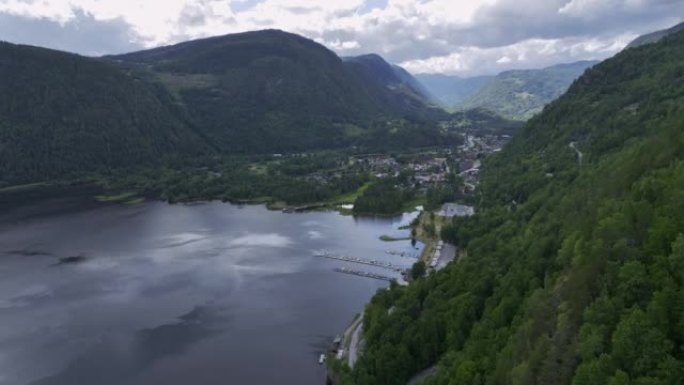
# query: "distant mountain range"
{"type": "Point", "coordinates": [517, 94]}
{"type": "Point", "coordinates": [520, 94]}
{"type": "Point", "coordinates": [450, 91]}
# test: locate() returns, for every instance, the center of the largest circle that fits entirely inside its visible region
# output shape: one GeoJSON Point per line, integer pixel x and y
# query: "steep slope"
{"type": "Point", "coordinates": [654, 37]}
{"type": "Point", "coordinates": [273, 91]}
{"type": "Point", "coordinates": [379, 77]}
{"type": "Point", "coordinates": [520, 94]}
{"type": "Point", "coordinates": [571, 272]}
{"type": "Point", "coordinates": [451, 90]}
{"type": "Point", "coordinates": [406, 78]}
{"type": "Point", "coordinates": [63, 114]}
{"type": "Point", "coordinates": [373, 68]}
{"type": "Point", "coordinates": [481, 121]}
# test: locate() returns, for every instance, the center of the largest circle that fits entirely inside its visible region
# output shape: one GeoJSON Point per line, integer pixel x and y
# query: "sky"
{"type": "Point", "coordinates": [454, 37]}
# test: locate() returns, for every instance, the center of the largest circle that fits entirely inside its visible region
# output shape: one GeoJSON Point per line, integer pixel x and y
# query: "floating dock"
{"type": "Point", "coordinates": [369, 262]}
{"type": "Point", "coordinates": [361, 273]}
{"type": "Point", "coordinates": [402, 254]}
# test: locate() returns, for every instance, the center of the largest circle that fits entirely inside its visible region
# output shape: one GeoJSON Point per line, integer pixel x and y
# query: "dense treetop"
{"type": "Point", "coordinates": [61, 114]}
{"type": "Point", "coordinates": [571, 272]}
{"type": "Point", "coordinates": [275, 91]}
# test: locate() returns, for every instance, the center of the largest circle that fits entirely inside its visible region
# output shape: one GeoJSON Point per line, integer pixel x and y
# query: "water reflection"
{"type": "Point", "coordinates": [179, 294]}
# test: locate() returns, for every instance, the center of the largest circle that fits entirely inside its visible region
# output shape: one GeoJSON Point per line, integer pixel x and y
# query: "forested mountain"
{"type": "Point", "coordinates": [275, 91]}
{"type": "Point", "coordinates": [519, 94]}
{"type": "Point", "coordinates": [571, 272]}
{"type": "Point", "coordinates": [654, 37]}
{"type": "Point", "coordinates": [451, 90]}
{"type": "Point", "coordinates": [373, 69]}
{"type": "Point", "coordinates": [63, 114]}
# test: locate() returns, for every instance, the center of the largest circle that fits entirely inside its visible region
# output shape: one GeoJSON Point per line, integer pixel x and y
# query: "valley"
{"type": "Point", "coordinates": [262, 207]}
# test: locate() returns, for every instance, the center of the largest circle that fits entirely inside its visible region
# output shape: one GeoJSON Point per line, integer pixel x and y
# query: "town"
{"type": "Point", "coordinates": [457, 167]}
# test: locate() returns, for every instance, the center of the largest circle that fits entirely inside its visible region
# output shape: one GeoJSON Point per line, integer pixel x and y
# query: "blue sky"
{"type": "Point", "coordinates": [460, 37]}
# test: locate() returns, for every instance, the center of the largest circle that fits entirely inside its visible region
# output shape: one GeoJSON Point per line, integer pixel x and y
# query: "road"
{"type": "Point", "coordinates": [448, 255]}
{"type": "Point", "coordinates": [355, 340]}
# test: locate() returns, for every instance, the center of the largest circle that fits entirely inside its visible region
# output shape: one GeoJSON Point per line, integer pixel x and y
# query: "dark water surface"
{"type": "Point", "coordinates": [178, 294]}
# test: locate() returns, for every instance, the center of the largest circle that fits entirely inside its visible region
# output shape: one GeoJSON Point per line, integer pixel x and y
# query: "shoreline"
{"type": "Point", "coordinates": [100, 194]}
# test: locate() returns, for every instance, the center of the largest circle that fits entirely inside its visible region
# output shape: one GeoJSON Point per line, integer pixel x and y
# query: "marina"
{"type": "Point", "coordinates": [369, 262]}
{"type": "Point", "coordinates": [402, 254]}
{"type": "Point", "coordinates": [361, 273]}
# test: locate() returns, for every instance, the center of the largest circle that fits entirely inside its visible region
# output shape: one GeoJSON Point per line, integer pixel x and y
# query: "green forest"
{"type": "Point", "coordinates": [571, 273]}
{"type": "Point", "coordinates": [384, 197]}
{"type": "Point", "coordinates": [241, 179]}
{"type": "Point", "coordinates": [65, 117]}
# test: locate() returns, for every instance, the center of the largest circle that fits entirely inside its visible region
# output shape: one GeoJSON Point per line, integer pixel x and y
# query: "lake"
{"type": "Point", "coordinates": [208, 293]}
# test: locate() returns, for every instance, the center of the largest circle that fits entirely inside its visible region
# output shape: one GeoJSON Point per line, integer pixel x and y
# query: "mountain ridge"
{"type": "Point", "coordinates": [654, 37]}
{"type": "Point", "coordinates": [273, 81]}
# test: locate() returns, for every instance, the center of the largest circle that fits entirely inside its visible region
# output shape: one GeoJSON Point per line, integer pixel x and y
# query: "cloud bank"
{"type": "Point", "coordinates": [464, 37]}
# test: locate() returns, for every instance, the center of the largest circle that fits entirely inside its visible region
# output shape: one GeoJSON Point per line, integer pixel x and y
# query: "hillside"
{"type": "Point", "coordinates": [654, 37]}
{"type": "Point", "coordinates": [450, 91]}
{"type": "Point", "coordinates": [272, 91]}
{"type": "Point", "coordinates": [520, 94]}
{"type": "Point", "coordinates": [373, 69]}
{"type": "Point", "coordinates": [63, 114]}
{"type": "Point", "coordinates": [571, 272]}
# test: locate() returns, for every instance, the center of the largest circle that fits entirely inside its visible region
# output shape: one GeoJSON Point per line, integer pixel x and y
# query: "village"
{"type": "Point", "coordinates": [425, 169]}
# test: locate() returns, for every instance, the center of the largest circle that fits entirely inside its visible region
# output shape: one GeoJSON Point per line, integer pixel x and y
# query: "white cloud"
{"type": "Point", "coordinates": [533, 53]}
{"type": "Point", "coordinates": [592, 9]}
{"type": "Point", "coordinates": [340, 45]}
{"type": "Point", "coordinates": [458, 36]}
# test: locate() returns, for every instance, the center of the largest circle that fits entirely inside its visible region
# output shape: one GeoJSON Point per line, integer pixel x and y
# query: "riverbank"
{"type": "Point", "coordinates": [342, 204]}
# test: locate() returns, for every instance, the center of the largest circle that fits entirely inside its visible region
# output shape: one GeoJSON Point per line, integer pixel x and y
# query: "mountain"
{"type": "Point", "coordinates": [374, 69]}
{"type": "Point", "coordinates": [654, 37]}
{"type": "Point", "coordinates": [520, 94]}
{"type": "Point", "coordinates": [275, 91]}
{"type": "Point", "coordinates": [411, 81]}
{"type": "Point", "coordinates": [570, 273]}
{"type": "Point", "coordinates": [450, 91]}
{"type": "Point", "coordinates": [63, 114]}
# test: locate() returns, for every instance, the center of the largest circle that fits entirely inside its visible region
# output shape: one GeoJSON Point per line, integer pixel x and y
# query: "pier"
{"type": "Point", "coordinates": [402, 254]}
{"type": "Point", "coordinates": [369, 262]}
{"type": "Point", "coordinates": [364, 274]}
